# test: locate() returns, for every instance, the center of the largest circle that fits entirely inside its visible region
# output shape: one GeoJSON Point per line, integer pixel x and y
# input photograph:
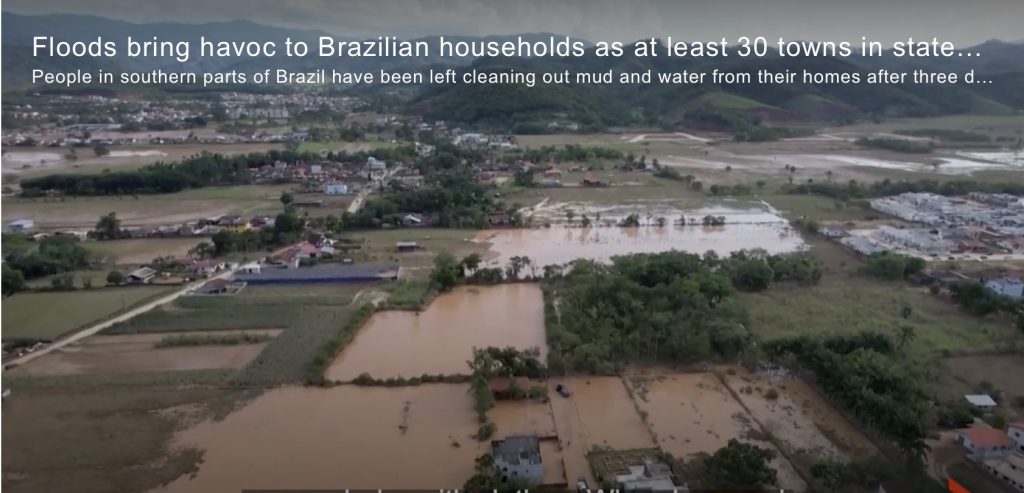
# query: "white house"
{"type": "Point", "coordinates": [335, 188]}
{"type": "Point", "coordinates": [21, 226]}
{"type": "Point", "coordinates": [985, 441]}
{"type": "Point", "coordinates": [518, 457]}
{"type": "Point", "coordinates": [1016, 432]}
{"type": "Point", "coordinates": [1007, 286]}
{"type": "Point", "coordinates": [981, 401]}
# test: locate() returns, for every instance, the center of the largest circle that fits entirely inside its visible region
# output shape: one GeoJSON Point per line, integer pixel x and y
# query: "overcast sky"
{"type": "Point", "coordinates": [959, 21]}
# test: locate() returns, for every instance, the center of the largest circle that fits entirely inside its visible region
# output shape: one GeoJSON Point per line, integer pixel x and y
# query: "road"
{"type": "Point", "coordinates": [357, 203]}
{"type": "Point", "coordinates": [97, 327]}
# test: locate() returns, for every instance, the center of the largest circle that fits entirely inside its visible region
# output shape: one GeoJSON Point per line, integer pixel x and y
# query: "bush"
{"type": "Point", "coordinates": [486, 431]}
{"type": "Point", "coordinates": [771, 394]}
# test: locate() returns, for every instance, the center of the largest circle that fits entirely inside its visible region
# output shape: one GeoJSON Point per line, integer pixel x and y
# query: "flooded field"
{"type": "Point", "coordinates": [599, 413]}
{"type": "Point", "coordinates": [744, 228]}
{"type": "Point", "coordinates": [441, 339]}
{"type": "Point", "coordinates": [101, 354]}
{"type": "Point", "coordinates": [342, 437]}
{"type": "Point", "coordinates": [798, 418]}
{"type": "Point", "coordinates": [693, 413]}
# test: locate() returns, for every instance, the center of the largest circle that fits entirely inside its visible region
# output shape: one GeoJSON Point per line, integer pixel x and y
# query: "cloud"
{"type": "Point", "coordinates": [887, 20]}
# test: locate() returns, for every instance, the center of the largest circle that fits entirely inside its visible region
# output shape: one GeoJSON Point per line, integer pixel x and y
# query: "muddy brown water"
{"type": "Point", "coordinates": [102, 354]}
{"type": "Point", "coordinates": [694, 413]}
{"type": "Point", "coordinates": [441, 339]}
{"type": "Point", "coordinates": [559, 245]}
{"type": "Point", "coordinates": [342, 437]}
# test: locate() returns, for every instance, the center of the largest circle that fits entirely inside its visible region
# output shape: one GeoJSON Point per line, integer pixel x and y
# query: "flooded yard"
{"type": "Point", "coordinates": [131, 353]}
{"type": "Point", "coordinates": [599, 413]}
{"type": "Point", "coordinates": [798, 418]}
{"type": "Point", "coordinates": [342, 437]}
{"type": "Point", "coordinates": [744, 228]}
{"type": "Point", "coordinates": [693, 413]}
{"type": "Point", "coordinates": [441, 339]}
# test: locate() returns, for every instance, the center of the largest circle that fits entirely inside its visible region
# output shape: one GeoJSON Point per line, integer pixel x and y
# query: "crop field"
{"type": "Point", "coordinates": [1003, 372]}
{"type": "Point", "coordinates": [379, 245]}
{"type": "Point", "coordinates": [146, 210]}
{"type": "Point", "coordinates": [51, 314]}
{"type": "Point", "coordinates": [140, 251]}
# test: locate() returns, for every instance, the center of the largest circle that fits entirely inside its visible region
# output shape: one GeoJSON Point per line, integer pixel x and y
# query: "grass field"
{"type": "Point", "coordinates": [140, 251]}
{"type": "Point", "coordinates": [368, 145]}
{"type": "Point", "coordinates": [50, 315]}
{"type": "Point", "coordinates": [146, 210]}
{"type": "Point", "coordinates": [845, 301]}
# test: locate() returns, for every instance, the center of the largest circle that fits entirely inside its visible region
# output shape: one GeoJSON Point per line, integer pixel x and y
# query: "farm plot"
{"type": "Point", "coordinates": [140, 251]}
{"type": "Point", "coordinates": [147, 353]}
{"type": "Point", "coordinates": [693, 414]}
{"type": "Point", "coordinates": [51, 314]}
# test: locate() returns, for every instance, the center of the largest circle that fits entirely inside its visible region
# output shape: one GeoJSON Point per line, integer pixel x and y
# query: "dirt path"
{"type": "Point", "coordinates": [97, 327]}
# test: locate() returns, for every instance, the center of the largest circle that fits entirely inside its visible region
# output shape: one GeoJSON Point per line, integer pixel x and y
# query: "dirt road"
{"type": "Point", "coordinates": [97, 327]}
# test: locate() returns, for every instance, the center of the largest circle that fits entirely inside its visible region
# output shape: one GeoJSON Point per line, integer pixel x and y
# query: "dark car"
{"type": "Point", "coordinates": [562, 390]}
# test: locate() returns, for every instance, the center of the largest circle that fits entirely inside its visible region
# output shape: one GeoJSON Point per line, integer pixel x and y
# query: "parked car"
{"type": "Point", "coordinates": [562, 390]}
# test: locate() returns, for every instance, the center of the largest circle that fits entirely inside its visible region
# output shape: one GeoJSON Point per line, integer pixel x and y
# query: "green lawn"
{"type": "Point", "coordinates": [140, 251]}
{"type": "Point", "coordinates": [50, 315]}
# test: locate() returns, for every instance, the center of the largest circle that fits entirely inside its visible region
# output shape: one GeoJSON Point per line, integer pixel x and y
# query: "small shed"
{"type": "Point", "coordinates": [406, 246]}
{"type": "Point", "coordinates": [142, 275]}
{"type": "Point", "coordinates": [981, 401]}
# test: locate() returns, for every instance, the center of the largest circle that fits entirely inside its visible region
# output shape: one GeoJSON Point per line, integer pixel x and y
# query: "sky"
{"type": "Point", "coordinates": [959, 21]}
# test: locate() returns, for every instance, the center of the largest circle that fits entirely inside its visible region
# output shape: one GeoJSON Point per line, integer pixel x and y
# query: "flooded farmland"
{"type": "Point", "coordinates": [342, 437]}
{"type": "Point", "coordinates": [694, 413]}
{"type": "Point", "coordinates": [744, 228]}
{"type": "Point", "coordinates": [441, 339]}
{"type": "Point", "coordinates": [130, 353]}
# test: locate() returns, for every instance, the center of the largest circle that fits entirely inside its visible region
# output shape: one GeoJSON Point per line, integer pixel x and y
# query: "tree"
{"type": "Point", "coordinates": [569, 215]}
{"type": "Point", "coordinates": [287, 198]}
{"type": "Point", "coordinates": [906, 311]}
{"type": "Point", "coordinates": [471, 262]}
{"type": "Point", "coordinates": [115, 278]}
{"type": "Point", "coordinates": [108, 227]}
{"type": "Point", "coordinates": [203, 250]}
{"type": "Point", "coordinates": [753, 275]}
{"type": "Point", "coordinates": [829, 472]}
{"type": "Point", "coordinates": [740, 465]}
{"type": "Point", "coordinates": [13, 280]}
{"type": "Point", "coordinates": [447, 271]}
{"type": "Point", "coordinates": [101, 150]}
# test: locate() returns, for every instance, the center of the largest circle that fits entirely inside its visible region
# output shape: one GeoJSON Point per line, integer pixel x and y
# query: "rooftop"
{"type": "Point", "coordinates": [516, 449]}
{"type": "Point", "coordinates": [987, 436]}
{"type": "Point", "coordinates": [980, 400]}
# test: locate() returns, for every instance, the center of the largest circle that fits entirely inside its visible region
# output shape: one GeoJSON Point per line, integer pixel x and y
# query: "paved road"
{"type": "Point", "coordinates": [95, 328]}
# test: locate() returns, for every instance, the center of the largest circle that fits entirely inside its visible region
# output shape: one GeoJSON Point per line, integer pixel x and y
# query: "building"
{"type": "Point", "coordinates": [1009, 468]}
{"type": "Point", "coordinates": [406, 246]}
{"type": "Point", "coordinates": [205, 268]}
{"type": "Point", "coordinates": [1012, 287]}
{"type": "Point", "coordinates": [1016, 432]}
{"type": "Point", "coordinates": [322, 274]}
{"type": "Point", "coordinates": [21, 226]}
{"type": "Point", "coordinates": [335, 188]}
{"type": "Point", "coordinates": [650, 476]}
{"type": "Point", "coordinates": [981, 401]}
{"type": "Point", "coordinates": [141, 275]}
{"type": "Point", "coordinates": [985, 441]}
{"type": "Point", "coordinates": [518, 458]}
{"type": "Point", "coordinates": [833, 232]}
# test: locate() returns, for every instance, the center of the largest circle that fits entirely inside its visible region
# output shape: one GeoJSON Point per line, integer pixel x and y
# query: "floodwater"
{"type": "Point", "coordinates": [599, 413]}
{"type": "Point", "coordinates": [744, 229]}
{"type": "Point", "coordinates": [341, 437]}
{"type": "Point", "coordinates": [798, 417]}
{"type": "Point", "coordinates": [693, 413]}
{"type": "Point", "coordinates": [136, 353]}
{"type": "Point", "coordinates": [440, 340]}
{"type": "Point", "coordinates": [17, 159]}
{"type": "Point", "coordinates": [146, 153]}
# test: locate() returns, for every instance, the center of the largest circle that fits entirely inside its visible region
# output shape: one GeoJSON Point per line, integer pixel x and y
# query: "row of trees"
{"type": "Point", "coordinates": [856, 190]}
{"type": "Point", "coordinates": [26, 260]}
{"type": "Point", "coordinates": [860, 372]}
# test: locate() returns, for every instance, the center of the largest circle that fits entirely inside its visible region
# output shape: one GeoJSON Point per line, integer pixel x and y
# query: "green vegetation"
{"type": "Point", "coordinates": [892, 266]}
{"type": "Point", "coordinates": [53, 255]}
{"type": "Point", "coordinates": [212, 340]}
{"type": "Point", "coordinates": [948, 135]}
{"type": "Point", "coordinates": [740, 465]}
{"type": "Point", "coordinates": [52, 314]}
{"type": "Point", "coordinates": [330, 348]}
{"type": "Point", "coordinates": [857, 371]}
{"type": "Point", "coordinates": [857, 190]}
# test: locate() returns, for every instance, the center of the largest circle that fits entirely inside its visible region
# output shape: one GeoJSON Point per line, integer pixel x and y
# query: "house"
{"type": "Point", "coordinates": [504, 388]}
{"type": "Point", "coordinates": [250, 268]}
{"type": "Point", "coordinates": [406, 246]}
{"type": "Point", "coordinates": [217, 286]}
{"type": "Point", "coordinates": [323, 273]}
{"type": "Point", "coordinates": [985, 441]}
{"type": "Point", "coordinates": [205, 268]}
{"type": "Point", "coordinates": [335, 188]}
{"type": "Point", "coordinates": [981, 401]}
{"type": "Point", "coordinates": [308, 203]}
{"type": "Point", "coordinates": [833, 232]}
{"type": "Point", "coordinates": [650, 476]}
{"type": "Point", "coordinates": [21, 226]}
{"type": "Point", "coordinates": [141, 275]}
{"type": "Point", "coordinates": [1012, 287]}
{"type": "Point", "coordinates": [592, 181]}
{"type": "Point", "coordinates": [233, 223]}
{"type": "Point", "coordinates": [1009, 468]}
{"type": "Point", "coordinates": [1016, 432]}
{"type": "Point", "coordinates": [518, 458]}
{"type": "Point", "coordinates": [412, 220]}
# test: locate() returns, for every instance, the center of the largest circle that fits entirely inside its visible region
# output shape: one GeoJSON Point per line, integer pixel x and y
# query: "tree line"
{"type": "Point", "coordinates": [857, 190]}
